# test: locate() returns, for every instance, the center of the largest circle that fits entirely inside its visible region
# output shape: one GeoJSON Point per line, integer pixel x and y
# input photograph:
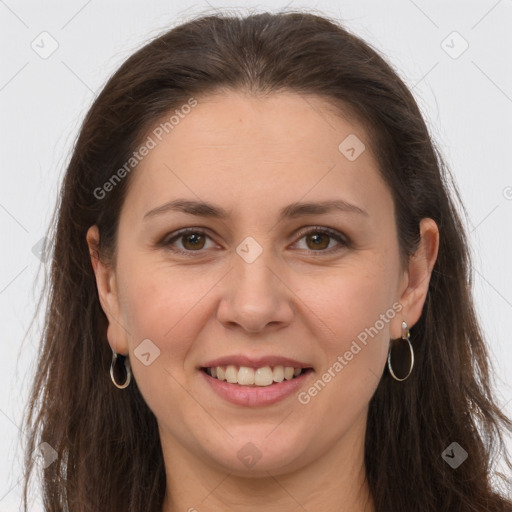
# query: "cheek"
{"type": "Point", "coordinates": [164, 302]}
{"type": "Point", "coordinates": [357, 308]}
{"type": "Point", "coordinates": [171, 305]}
{"type": "Point", "coordinates": [358, 300]}
{"type": "Point", "coordinates": [168, 307]}
{"type": "Point", "coordinates": [165, 305]}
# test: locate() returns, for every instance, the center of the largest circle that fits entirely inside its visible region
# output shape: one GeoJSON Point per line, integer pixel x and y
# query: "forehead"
{"type": "Point", "coordinates": [235, 147]}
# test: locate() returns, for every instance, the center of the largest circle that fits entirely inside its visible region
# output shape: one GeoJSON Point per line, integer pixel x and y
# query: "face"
{"type": "Point", "coordinates": [271, 282]}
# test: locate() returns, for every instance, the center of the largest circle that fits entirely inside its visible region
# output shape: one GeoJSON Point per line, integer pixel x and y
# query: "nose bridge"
{"type": "Point", "coordinates": [254, 285]}
{"type": "Point", "coordinates": [255, 295]}
{"type": "Point", "coordinates": [252, 267]}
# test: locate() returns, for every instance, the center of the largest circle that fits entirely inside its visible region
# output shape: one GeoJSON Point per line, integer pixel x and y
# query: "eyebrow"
{"type": "Point", "coordinates": [293, 210]}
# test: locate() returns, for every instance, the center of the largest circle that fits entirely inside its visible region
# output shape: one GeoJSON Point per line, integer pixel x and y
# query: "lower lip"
{"type": "Point", "coordinates": [253, 396]}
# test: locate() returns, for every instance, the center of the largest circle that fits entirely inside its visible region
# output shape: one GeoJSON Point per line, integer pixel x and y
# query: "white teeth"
{"type": "Point", "coordinates": [263, 376]}
{"type": "Point", "coordinates": [231, 374]}
{"type": "Point", "coordinates": [278, 373]}
{"type": "Point", "coordinates": [247, 376]}
{"type": "Point", "coordinates": [288, 373]}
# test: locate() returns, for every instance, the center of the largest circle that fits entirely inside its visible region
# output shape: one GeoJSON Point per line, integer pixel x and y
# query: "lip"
{"type": "Point", "coordinates": [254, 362]}
{"type": "Point", "coordinates": [254, 396]}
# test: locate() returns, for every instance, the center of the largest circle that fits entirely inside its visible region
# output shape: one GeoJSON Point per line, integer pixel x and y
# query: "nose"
{"type": "Point", "coordinates": [255, 295]}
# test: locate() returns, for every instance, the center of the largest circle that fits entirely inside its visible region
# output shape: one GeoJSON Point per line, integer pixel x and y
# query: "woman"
{"type": "Point", "coordinates": [260, 291]}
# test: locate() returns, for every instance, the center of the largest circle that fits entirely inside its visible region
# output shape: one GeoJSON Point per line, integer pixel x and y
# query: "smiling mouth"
{"type": "Point", "coordinates": [255, 377]}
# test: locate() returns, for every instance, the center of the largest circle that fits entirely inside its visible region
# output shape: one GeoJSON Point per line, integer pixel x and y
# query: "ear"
{"type": "Point", "coordinates": [108, 294]}
{"type": "Point", "coordinates": [414, 289]}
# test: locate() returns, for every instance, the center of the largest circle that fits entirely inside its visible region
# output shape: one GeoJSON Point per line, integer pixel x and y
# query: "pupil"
{"type": "Point", "coordinates": [316, 240]}
{"type": "Point", "coordinates": [196, 239]}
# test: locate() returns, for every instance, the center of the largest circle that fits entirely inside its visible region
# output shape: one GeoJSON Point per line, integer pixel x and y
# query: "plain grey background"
{"type": "Point", "coordinates": [455, 56]}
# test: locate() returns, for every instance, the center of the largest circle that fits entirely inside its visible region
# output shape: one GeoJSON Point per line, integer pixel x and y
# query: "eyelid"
{"type": "Point", "coordinates": [342, 239]}
{"type": "Point", "coordinates": [176, 235]}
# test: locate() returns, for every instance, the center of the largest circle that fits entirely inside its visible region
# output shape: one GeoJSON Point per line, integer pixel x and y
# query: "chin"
{"type": "Point", "coordinates": [257, 454]}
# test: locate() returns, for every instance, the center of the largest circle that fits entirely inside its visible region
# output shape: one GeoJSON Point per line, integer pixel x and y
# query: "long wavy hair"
{"type": "Point", "coordinates": [105, 443]}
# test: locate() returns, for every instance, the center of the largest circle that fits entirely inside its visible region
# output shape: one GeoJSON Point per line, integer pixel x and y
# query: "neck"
{"type": "Point", "coordinates": [333, 482]}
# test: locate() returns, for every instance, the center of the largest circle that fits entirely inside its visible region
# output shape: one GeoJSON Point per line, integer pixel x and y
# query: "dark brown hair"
{"type": "Point", "coordinates": [107, 444]}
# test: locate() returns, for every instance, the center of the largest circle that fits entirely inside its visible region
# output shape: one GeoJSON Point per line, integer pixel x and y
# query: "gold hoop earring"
{"type": "Point", "coordinates": [407, 337]}
{"type": "Point", "coordinates": [127, 370]}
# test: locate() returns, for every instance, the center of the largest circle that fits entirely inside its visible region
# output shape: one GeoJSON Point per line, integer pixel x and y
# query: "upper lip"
{"type": "Point", "coordinates": [254, 362]}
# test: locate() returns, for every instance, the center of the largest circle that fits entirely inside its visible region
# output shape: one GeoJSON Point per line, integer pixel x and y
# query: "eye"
{"type": "Point", "coordinates": [191, 239]}
{"type": "Point", "coordinates": [318, 239]}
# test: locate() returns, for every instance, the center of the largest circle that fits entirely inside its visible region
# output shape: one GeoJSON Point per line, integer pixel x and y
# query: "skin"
{"type": "Point", "coordinates": [253, 156]}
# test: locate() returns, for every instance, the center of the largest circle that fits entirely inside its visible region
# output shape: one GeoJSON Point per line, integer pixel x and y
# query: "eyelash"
{"type": "Point", "coordinates": [343, 240]}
